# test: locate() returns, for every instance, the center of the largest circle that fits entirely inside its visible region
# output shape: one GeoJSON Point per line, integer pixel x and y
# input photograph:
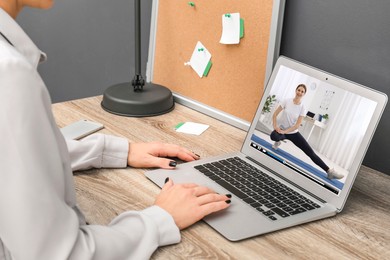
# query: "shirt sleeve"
{"type": "Point", "coordinates": [283, 104]}
{"type": "Point", "coordinates": [303, 111]}
{"type": "Point", "coordinates": [98, 151]}
{"type": "Point", "coordinates": [131, 235]}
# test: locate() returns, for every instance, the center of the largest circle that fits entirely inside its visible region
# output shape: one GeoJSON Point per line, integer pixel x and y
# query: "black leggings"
{"type": "Point", "coordinates": [300, 142]}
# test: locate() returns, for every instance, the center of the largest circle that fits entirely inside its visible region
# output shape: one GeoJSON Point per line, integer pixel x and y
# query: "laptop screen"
{"type": "Point", "coordinates": [312, 126]}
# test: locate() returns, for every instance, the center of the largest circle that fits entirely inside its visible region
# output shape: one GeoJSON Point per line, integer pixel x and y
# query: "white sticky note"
{"type": "Point", "coordinates": [230, 28]}
{"type": "Point", "coordinates": [200, 59]}
{"type": "Point", "coordinates": [191, 128]}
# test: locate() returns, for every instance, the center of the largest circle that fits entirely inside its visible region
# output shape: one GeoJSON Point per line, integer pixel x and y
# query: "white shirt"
{"type": "Point", "coordinates": [291, 113]}
{"type": "Point", "coordinates": [39, 216]}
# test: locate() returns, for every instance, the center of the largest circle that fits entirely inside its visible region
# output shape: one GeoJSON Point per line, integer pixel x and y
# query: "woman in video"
{"type": "Point", "coordinates": [286, 127]}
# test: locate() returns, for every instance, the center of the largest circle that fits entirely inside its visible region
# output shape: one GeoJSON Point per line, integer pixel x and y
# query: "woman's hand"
{"type": "Point", "coordinates": [189, 203]}
{"type": "Point", "coordinates": [147, 155]}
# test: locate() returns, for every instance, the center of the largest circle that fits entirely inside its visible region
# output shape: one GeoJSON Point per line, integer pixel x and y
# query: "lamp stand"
{"type": "Point", "coordinates": [137, 98]}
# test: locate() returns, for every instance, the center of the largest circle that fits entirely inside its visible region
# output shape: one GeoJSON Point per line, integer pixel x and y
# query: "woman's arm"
{"type": "Point", "coordinates": [106, 151]}
{"type": "Point", "coordinates": [274, 117]}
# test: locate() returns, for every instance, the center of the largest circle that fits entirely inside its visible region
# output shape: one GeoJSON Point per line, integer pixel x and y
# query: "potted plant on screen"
{"type": "Point", "coordinates": [267, 106]}
{"type": "Point", "coordinates": [325, 117]}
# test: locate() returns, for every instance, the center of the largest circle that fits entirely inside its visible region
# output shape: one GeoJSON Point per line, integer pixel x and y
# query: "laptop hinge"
{"type": "Point", "coordinates": [285, 179]}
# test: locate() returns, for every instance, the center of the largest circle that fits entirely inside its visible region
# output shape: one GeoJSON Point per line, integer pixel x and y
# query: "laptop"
{"type": "Point", "coordinates": [273, 189]}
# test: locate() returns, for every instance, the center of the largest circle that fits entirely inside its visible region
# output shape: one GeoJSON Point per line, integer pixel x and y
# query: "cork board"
{"type": "Point", "coordinates": [235, 82]}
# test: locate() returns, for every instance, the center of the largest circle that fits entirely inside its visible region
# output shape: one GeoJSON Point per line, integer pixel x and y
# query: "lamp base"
{"type": "Point", "coordinates": [153, 100]}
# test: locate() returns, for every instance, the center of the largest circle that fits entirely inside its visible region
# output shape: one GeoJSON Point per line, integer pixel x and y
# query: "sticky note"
{"type": "Point", "coordinates": [200, 60]}
{"type": "Point", "coordinates": [232, 28]}
{"type": "Point", "coordinates": [191, 128]}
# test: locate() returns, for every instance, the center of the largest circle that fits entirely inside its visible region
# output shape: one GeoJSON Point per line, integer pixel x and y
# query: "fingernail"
{"type": "Point", "coordinates": [196, 154]}
{"type": "Point", "coordinates": [166, 180]}
{"type": "Point", "coordinates": [228, 201]}
{"type": "Point", "coordinates": [229, 195]}
{"type": "Point", "coordinates": [172, 163]}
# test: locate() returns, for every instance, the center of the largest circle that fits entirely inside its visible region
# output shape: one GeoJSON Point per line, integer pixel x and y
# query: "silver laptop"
{"type": "Point", "coordinates": [276, 187]}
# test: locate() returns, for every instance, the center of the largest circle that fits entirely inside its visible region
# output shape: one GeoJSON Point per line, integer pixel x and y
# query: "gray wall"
{"type": "Point", "coordinates": [349, 38]}
{"type": "Point", "coordinates": [90, 45]}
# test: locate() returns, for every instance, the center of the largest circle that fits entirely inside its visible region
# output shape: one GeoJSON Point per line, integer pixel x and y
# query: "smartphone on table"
{"type": "Point", "coordinates": [80, 129]}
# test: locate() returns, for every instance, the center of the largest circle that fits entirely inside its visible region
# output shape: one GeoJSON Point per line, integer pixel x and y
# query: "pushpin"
{"type": "Point", "coordinates": [192, 4]}
{"type": "Point", "coordinates": [200, 49]}
{"type": "Point", "coordinates": [227, 15]}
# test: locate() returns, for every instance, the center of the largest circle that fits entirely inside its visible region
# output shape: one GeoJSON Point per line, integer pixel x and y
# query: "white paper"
{"type": "Point", "coordinates": [200, 59]}
{"type": "Point", "coordinates": [230, 29]}
{"type": "Point", "coordinates": [192, 128]}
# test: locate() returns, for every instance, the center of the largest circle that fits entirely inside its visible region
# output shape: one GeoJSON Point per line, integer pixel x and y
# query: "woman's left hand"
{"type": "Point", "coordinates": [150, 155]}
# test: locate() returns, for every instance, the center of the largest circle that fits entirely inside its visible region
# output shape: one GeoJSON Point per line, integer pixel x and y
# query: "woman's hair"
{"type": "Point", "coordinates": [303, 86]}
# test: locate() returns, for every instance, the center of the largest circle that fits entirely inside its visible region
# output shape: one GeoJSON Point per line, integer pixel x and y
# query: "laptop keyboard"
{"type": "Point", "coordinates": [262, 192]}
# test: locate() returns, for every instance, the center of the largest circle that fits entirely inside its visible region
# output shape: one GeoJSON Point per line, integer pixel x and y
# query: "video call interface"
{"type": "Point", "coordinates": [334, 124]}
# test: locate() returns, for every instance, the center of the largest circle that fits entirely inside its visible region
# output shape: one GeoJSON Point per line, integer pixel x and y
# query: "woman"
{"type": "Point", "coordinates": [287, 128]}
{"type": "Point", "coordinates": [39, 217]}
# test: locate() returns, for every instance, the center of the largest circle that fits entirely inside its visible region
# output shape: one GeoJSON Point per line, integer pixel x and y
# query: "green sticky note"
{"type": "Point", "coordinates": [241, 27]}
{"type": "Point", "coordinates": [179, 125]}
{"type": "Point", "coordinates": [207, 69]}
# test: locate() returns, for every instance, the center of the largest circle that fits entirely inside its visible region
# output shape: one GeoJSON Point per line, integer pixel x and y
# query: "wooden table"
{"type": "Point", "coordinates": [361, 231]}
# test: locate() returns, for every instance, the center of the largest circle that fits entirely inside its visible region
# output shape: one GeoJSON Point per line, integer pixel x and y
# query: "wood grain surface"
{"type": "Point", "coordinates": [361, 231]}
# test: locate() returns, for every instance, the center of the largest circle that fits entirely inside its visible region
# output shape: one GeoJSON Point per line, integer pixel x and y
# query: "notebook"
{"type": "Point", "coordinates": [276, 186]}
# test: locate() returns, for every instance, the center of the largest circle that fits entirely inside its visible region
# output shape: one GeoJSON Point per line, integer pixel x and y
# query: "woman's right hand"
{"type": "Point", "coordinates": [189, 203]}
{"type": "Point", "coordinates": [278, 130]}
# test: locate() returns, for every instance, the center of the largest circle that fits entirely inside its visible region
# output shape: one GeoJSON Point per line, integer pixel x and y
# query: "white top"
{"type": "Point", "coordinates": [290, 114]}
{"type": "Point", "coordinates": [39, 216]}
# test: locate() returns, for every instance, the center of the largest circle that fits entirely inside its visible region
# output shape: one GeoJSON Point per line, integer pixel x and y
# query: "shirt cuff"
{"type": "Point", "coordinates": [169, 232]}
{"type": "Point", "coordinates": [115, 153]}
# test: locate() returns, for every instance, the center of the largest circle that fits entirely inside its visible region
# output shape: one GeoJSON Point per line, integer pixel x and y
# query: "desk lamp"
{"type": "Point", "coordinates": [137, 98]}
